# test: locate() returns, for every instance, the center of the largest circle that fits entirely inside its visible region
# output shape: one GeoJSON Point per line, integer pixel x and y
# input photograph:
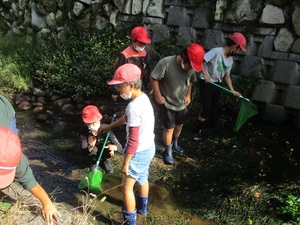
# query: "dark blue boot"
{"type": "Point", "coordinates": [176, 147]}
{"type": "Point", "coordinates": [141, 203]}
{"type": "Point", "coordinates": [168, 158]}
{"type": "Point", "coordinates": [129, 217]}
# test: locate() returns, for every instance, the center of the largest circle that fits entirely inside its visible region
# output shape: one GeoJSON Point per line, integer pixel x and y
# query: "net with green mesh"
{"type": "Point", "coordinates": [91, 182]}
{"type": "Point", "coordinates": [247, 110]}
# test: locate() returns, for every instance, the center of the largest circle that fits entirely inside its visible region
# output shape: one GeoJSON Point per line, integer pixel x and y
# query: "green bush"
{"type": "Point", "coordinates": [290, 206]}
{"type": "Point", "coordinates": [15, 64]}
{"type": "Point", "coordinates": [81, 63]}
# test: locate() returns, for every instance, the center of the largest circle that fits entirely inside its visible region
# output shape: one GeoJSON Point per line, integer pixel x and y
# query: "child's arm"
{"type": "Point", "coordinates": [205, 74]}
{"type": "Point", "coordinates": [188, 98]}
{"type": "Point", "coordinates": [229, 84]}
{"type": "Point", "coordinates": [49, 210]}
{"type": "Point", "coordinates": [106, 127]}
{"type": "Point", "coordinates": [156, 90]}
{"type": "Point", "coordinates": [114, 141]}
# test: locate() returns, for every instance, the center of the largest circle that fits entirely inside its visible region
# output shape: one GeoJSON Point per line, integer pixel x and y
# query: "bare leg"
{"type": "Point", "coordinates": [128, 194]}
{"type": "Point", "coordinates": [177, 130]}
{"type": "Point", "coordinates": [167, 136]}
{"type": "Point", "coordinates": [144, 189]}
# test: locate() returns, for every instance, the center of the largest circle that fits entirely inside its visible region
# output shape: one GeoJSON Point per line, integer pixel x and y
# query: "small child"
{"type": "Point", "coordinates": [92, 140]}
{"type": "Point", "coordinates": [140, 146]}
{"type": "Point", "coordinates": [136, 54]}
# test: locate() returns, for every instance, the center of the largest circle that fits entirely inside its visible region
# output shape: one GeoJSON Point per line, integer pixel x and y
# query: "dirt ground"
{"type": "Point", "coordinates": [225, 178]}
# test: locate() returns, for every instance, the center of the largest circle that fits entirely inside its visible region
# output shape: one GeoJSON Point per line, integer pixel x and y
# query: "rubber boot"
{"type": "Point", "coordinates": [129, 217]}
{"type": "Point", "coordinates": [141, 203]}
{"type": "Point", "coordinates": [168, 158]}
{"type": "Point", "coordinates": [176, 147]}
{"type": "Point", "coordinates": [198, 130]}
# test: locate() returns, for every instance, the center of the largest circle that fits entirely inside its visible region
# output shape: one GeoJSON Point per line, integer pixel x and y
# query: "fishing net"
{"type": "Point", "coordinates": [91, 182]}
{"type": "Point", "coordinates": [247, 110]}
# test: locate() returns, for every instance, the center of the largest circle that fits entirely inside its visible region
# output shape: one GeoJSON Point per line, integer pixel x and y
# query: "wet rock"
{"type": "Point", "coordinates": [79, 99]}
{"type": "Point", "coordinates": [38, 92]}
{"type": "Point", "coordinates": [61, 102]}
{"type": "Point", "coordinates": [42, 117]}
{"type": "Point", "coordinates": [41, 99]}
{"type": "Point", "coordinates": [20, 98]}
{"type": "Point", "coordinates": [54, 97]}
{"type": "Point", "coordinates": [68, 109]}
{"type": "Point", "coordinates": [49, 112]}
{"type": "Point", "coordinates": [24, 105]}
{"type": "Point", "coordinates": [37, 104]}
{"type": "Point", "coordinates": [38, 109]}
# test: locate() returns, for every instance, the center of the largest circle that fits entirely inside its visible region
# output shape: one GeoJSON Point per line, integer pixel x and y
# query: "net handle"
{"type": "Point", "coordinates": [105, 141]}
{"type": "Point", "coordinates": [232, 92]}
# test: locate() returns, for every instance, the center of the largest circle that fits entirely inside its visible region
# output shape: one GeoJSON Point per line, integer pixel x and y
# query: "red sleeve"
{"type": "Point", "coordinates": [133, 140]}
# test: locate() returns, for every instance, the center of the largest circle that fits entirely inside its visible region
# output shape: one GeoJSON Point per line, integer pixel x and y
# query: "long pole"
{"type": "Point", "coordinates": [225, 89]}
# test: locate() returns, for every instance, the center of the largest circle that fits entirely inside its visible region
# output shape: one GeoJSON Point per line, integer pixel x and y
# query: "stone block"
{"type": "Point", "coordinates": [263, 31]}
{"type": "Point", "coordinates": [126, 18]}
{"type": "Point", "coordinates": [279, 55]}
{"type": "Point", "coordinates": [296, 19]}
{"type": "Point", "coordinates": [227, 27]}
{"type": "Point", "coordinates": [285, 72]}
{"type": "Point", "coordinates": [294, 57]}
{"type": "Point", "coordinates": [174, 2]}
{"type": "Point", "coordinates": [156, 9]}
{"type": "Point", "coordinates": [292, 97]}
{"type": "Point", "coordinates": [160, 32]}
{"type": "Point", "coordinates": [272, 15]}
{"type": "Point", "coordinates": [284, 40]}
{"type": "Point", "coordinates": [213, 38]}
{"type": "Point", "coordinates": [177, 16]}
{"type": "Point", "coordinates": [186, 35]}
{"type": "Point", "coordinates": [274, 114]}
{"type": "Point", "coordinates": [266, 47]}
{"type": "Point", "coordinates": [265, 92]}
{"type": "Point", "coordinates": [152, 20]}
{"type": "Point", "coordinates": [203, 18]}
{"type": "Point", "coordinates": [296, 46]}
{"type": "Point", "coordinates": [250, 65]}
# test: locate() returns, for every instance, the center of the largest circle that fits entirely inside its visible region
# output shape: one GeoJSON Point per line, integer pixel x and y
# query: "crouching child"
{"type": "Point", "coordinates": [92, 139]}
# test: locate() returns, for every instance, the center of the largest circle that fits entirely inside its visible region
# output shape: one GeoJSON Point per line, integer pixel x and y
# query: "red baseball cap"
{"type": "Point", "coordinates": [196, 55]}
{"type": "Point", "coordinates": [10, 156]}
{"type": "Point", "coordinates": [90, 114]}
{"type": "Point", "coordinates": [126, 73]}
{"type": "Point", "coordinates": [239, 39]}
{"type": "Point", "coordinates": [140, 34]}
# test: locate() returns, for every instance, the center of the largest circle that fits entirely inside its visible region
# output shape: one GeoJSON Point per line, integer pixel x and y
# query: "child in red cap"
{"type": "Point", "coordinates": [14, 166]}
{"type": "Point", "coordinates": [136, 54]}
{"type": "Point", "coordinates": [217, 66]}
{"type": "Point", "coordinates": [92, 140]}
{"type": "Point", "coordinates": [171, 81]}
{"type": "Point", "coordinates": [140, 147]}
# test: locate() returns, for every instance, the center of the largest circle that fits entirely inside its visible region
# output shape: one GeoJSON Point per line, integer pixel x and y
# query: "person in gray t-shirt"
{"type": "Point", "coordinates": [216, 67]}
{"type": "Point", "coordinates": [171, 81]}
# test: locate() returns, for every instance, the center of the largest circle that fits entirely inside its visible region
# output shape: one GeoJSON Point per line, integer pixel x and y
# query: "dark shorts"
{"type": "Point", "coordinates": [170, 118]}
{"type": "Point", "coordinates": [210, 98]}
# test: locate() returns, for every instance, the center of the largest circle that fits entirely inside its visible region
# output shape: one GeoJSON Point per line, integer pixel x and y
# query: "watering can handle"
{"type": "Point", "coordinates": [225, 89]}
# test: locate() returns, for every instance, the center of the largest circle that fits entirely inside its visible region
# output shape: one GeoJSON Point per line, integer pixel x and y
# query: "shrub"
{"type": "Point", "coordinates": [81, 63]}
{"type": "Point", "coordinates": [14, 63]}
{"type": "Point", "coordinates": [290, 206]}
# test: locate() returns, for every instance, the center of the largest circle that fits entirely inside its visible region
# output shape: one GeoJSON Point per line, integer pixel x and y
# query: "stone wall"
{"type": "Point", "coordinates": [272, 29]}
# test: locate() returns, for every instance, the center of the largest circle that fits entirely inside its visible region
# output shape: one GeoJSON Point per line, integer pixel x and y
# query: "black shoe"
{"type": "Point", "coordinates": [107, 166]}
{"type": "Point", "coordinates": [198, 135]}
